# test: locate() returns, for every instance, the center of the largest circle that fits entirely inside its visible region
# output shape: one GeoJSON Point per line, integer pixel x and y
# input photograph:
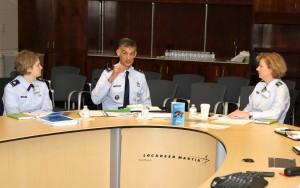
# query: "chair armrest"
{"type": "Point", "coordinates": [80, 93]}
{"type": "Point", "coordinates": [52, 97]}
{"type": "Point", "coordinates": [48, 83]}
{"type": "Point", "coordinates": [69, 98]}
{"type": "Point", "coordinates": [226, 104]}
{"type": "Point", "coordinates": [217, 105]}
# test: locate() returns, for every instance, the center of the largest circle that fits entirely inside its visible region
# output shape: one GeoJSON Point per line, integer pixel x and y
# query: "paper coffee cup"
{"type": "Point", "coordinates": [204, 111]}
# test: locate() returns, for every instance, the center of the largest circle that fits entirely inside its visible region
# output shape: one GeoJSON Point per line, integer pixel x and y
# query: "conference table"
{"type": "Point", "coordinates": [131, 152]}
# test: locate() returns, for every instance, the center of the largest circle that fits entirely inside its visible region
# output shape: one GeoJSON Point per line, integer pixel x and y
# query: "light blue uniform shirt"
{"type": "Point", "coordinates": [270, 101]}
{"type": "Point", "coordinates": [111, 95]}
{"type": "Point", "coordinates": [17, 98]}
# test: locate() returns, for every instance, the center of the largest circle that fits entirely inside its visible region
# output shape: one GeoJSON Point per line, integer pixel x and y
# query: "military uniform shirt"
{"type": "Point", "coordinates": [17, 98]}
{"type": "Point", "coordinates": [269, 101]}
{"type": "Point", "coordinates": [111, 95]}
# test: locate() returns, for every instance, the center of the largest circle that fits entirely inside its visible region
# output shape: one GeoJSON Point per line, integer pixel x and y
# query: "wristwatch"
{"type": "Point", "coordinates": [250, 115]}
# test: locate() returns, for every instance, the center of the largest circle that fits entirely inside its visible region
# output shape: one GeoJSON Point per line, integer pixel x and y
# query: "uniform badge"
{"type": "Point", "coordinates": [138, 84]}
{"type": "Point", "coordinates": [117, 97]}
{"type": "Point", "coordinates": [36, 89]}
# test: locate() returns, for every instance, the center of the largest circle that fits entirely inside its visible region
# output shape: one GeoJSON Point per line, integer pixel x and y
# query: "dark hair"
{"type": "Point", "coordinates": [127, 42]}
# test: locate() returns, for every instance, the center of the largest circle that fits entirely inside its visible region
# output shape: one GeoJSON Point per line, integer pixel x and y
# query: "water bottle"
{"type": "Point", "coordinates": [193, 111]}
{"type": "Point", "coordinates": [85, 113]}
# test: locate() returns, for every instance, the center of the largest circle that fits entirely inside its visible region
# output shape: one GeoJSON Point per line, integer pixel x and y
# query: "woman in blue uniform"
{"type": "Point", "coordinates": [270, 98]}
{"type": "Point", "coordinates": [27, 92]}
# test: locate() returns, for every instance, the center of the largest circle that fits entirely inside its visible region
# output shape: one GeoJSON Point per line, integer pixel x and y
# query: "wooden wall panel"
{"type": "Point", "coordinates": [127, 19]}
{"type": "Point", "coordinates": [226, 24]}
{"type": "Point", "coordinates": [178, 27]}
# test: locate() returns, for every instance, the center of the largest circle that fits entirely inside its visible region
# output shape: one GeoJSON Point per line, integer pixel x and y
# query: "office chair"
{"type": "Point", "coordinates": [245, 92]}
{"type": "Point", "coordinates": [3, 83]}
{"type": "Point", "coordinates": [290, 115]}
{"type": "Point", "coordinates": [150, 75]}
{"type": "Point", "coordinates": [290, 83]}
{"type": "Point", "coordinates": [56, 70]}
{"type": "Point", "coordinates": [210, 93]}
{"type": "Point", "coordinates": [184, 82]}
{"type": "Point", "coordinates": [85, 96]}
{"type": "Point", "coordinates": [233, 84]}
{"type": "Point", "coordinates": [161, 91]}
{"type": "Point", "coordinates": [65, 86]}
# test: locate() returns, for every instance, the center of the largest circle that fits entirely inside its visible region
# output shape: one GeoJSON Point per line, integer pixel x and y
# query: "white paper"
{"type": "Point", "coordinates": [232, 121]}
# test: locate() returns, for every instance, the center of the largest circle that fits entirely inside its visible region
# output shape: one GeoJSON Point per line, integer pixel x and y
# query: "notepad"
{"type": "Point", "coordinates": [57, 119]}
{"type": "Point", "coordinates": [265, 121]}
{"type": "Point", "coordinates": [19, 116]}
{"type": "Point", "coordinates": [281, 162]}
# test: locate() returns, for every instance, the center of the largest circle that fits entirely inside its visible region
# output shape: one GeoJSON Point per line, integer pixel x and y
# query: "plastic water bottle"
{"type": "Point", "coordinates": [193, 111]}
{"type": "Point", "coordinates": [85, 113]}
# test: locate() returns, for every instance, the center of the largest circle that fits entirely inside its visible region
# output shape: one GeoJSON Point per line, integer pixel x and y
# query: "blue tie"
{"type": "Point", "coordinates": [126, 93]}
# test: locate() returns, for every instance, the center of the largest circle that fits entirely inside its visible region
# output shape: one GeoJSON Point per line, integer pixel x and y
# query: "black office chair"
{"type": "Point", "coordinates": [210, 93]}
{"type": "Point", "coordinates": [56, 70]}
{"type": "Point", "coordinates": [150, 75]}
{"type": "Point", "coordinates": [3, 83]}
{"type": "Point", "coordinates": [84, 97]}
{"type": "Point", "coordinates": [233, 84]}
{"type": "Point", "coordinates": [290, 115]}
{"type": "Point", "coordinates": [290, 83]}
{"type": "Point", "coordinates": [66, 85]}
{"type": "Point", "coordinates": [184, 84]}
{"type": "Point", "coordinates": [244, 96]}
{"type": "Point", "coordinates": [161, 91]}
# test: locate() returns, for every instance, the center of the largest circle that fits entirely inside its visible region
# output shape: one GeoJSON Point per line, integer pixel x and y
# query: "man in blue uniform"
{"type": "Point", "coordinates": [111, 87]}
{"type": "Point", "coordinates": [27, 92]}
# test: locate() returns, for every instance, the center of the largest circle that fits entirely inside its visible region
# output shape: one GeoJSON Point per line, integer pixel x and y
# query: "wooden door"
{"type": "Point", "coordinates": [69, 26]}
{"type": "Point", "coordinates": [35, 25]}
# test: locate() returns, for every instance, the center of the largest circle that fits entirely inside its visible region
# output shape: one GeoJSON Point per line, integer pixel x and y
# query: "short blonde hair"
{"type": "Point", "coordinates": [24, 60]}
{"type": "Point", "coordinates": [275, 62]}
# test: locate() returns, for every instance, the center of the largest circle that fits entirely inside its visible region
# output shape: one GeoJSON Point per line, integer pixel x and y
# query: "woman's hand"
{"type": "Point", "coordinates": [238, 114]}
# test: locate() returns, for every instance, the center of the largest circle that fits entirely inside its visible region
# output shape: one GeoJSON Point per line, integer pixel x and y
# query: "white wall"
{"type": "Point", "coordinates": [8, 28]}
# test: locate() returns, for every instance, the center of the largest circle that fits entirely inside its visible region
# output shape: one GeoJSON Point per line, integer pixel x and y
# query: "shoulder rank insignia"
{"type": "Point", "coordinates": [14, 82]}
{"type": "Point", "coordinates": [109, 69]}
{"type": "Point", "coordinates": [139, 70]}
{"type": "Point", "coordinates": [278, 84]}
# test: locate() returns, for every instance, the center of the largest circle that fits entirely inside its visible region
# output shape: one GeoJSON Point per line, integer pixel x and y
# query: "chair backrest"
{"type": "Point", "coordinates": [62, 70]}
{"type": "Point", "coordinates": [160, 90]}
{"type": "Point", "coordinates": [289, 118]}
{"type": "Point", "coordinates": [234, 85]}
{"type": "Point", "coordinates": [245, 92]}
{"type": "Point", "coordinates": [152, 75]}
{"type": "Point", "coordinates": [210, 93]}
{"type": "Point", "coordinates": [13, 74]}
{"type": "Point", "coordinates": [184, 82]}
{"type": "Point", "coordinates": [95, 76]}
{"type": "Point", "coordinates": [290, 83]}
{"type": "Point", "coordinates": [3, 83]}
{"type": "Point", "coordinates": [65, 83]}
